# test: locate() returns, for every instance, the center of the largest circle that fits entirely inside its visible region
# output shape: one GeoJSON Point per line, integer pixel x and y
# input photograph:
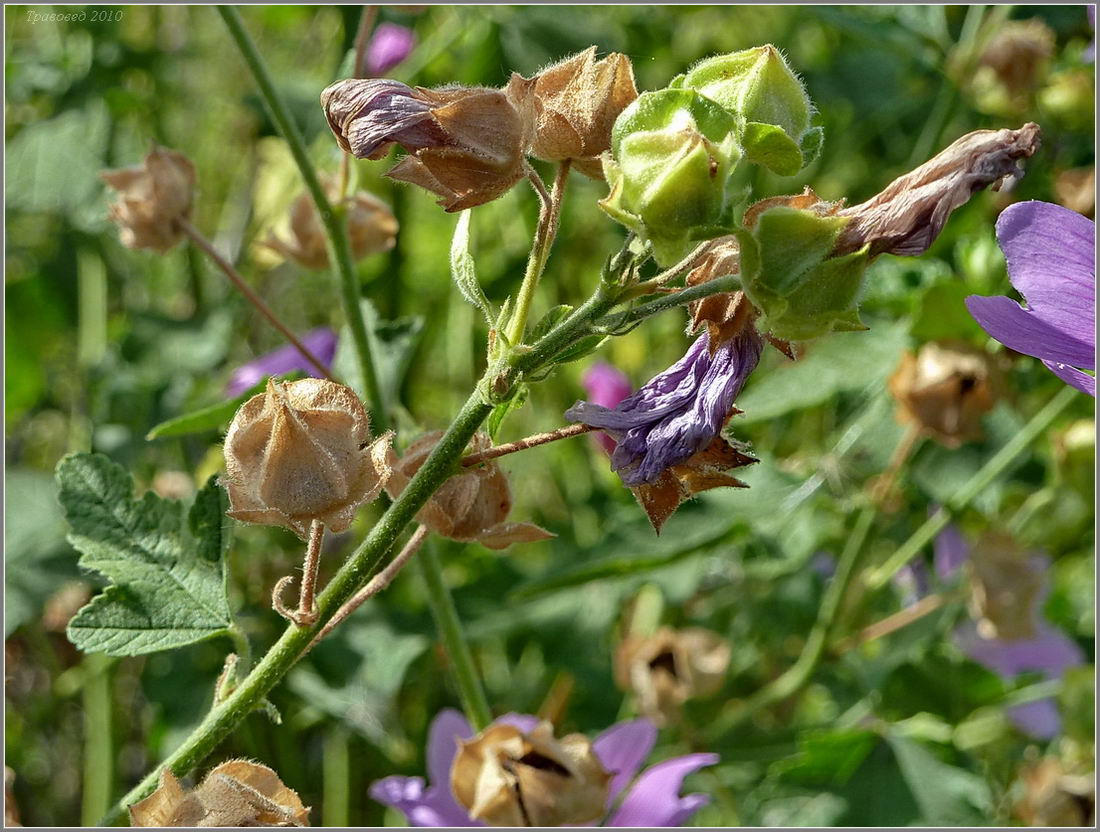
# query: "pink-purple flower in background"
{"type": "Point", "coordinates": [653, 800]}
{"type": "Point", "coordinates": [606, 386]}
{"type": "Point", "coordinates": [389, 45]}
{"type": "Point", "coordinates": [321, 342]}
{"type": "Point", "coordinates": [1051, 253]}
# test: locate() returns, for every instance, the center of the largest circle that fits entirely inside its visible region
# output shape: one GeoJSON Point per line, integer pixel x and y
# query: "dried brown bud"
{"type": "Point", "coordinates": [907, 216]}
{"type": "Point", "coordinates": [372, 228]}
{"type": "Point", "coordinates": [1076, 189]}
{"type": "Point", "coordinates": [505, 777]}
{"type": "Point", "coordinates": [574, 104]}
{"type": "Point", "coordinates": [300, 452]}
{"type": "Point", "coordinates": [1017, 55]}
{"type": "Point", "coordinates": [236, 793]}
{"type": "Point", "coordinates": [464, 144]}
{"type": "Point", "coordinates": [1006, 585]}
{"type": "Point", "coordinates": [153, 197]}
{"type": "Point", "coordinates": [471, 506]}
{"type": "Point", "coordinates": [945, 388]}
{"type": "Point", "coordinates": [1055, 798]}
{"type": "Point", "coordinates": [666, 669]}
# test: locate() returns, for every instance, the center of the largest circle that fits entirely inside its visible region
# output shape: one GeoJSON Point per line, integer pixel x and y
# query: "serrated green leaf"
{"type": "Point", "coordinates": [213, 417]}
{"type": "Point", "coordinates": [462, 267]}
{"type": "Point", "coordinates": [167, 571]}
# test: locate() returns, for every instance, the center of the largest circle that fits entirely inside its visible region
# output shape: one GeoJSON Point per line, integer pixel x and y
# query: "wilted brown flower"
{"type": "Point", "coordinates": [505, 777]}
{"type": "Point", "coordinates": [372, 228]}
{"type": "Point", "coordinates": [1076, 189]}
{"type": "Point", "coordinates": [945, 388]}
{"type": "Point", "coordinates": [574, 104]}
{"type": "Point", "coordinates": [153, 197]}
{"type": "Point", "coordinates": [302, 451]}
{"type": "Point", "coordinates": [1054, 798]}
{"type": "Point", "coordinates": [907, 216]}
{"type": "Point", "coordinates": [1005, 588]}
{"type": "Point", "coordinates": [470, 506]}
{"type": "Point", "coordinates": [464, 144]}
{"type": "Point", "coordinates": [236, 793]}
{"type": "Point", "coordinates": [1017, 55]}
{"type": "Point", "coordinates": [666, 669]}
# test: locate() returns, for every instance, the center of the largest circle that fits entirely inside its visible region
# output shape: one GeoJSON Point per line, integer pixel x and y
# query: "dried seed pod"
{"type": "Point", "coordinates": [945, 388]}
{"type": "Point", "coordinates": [236, 793]}
{"type": "Point", "coordinates": [505, 777]}
{"type": "Point", "coordinates": [574, 104]}
{"type": "Point", "coordinates": [1017, 56]}
{"type": "Point", "coordinates": [465, 144]}
{"type": "Point", "coordinates": [1006, 588]}
{"type": "Point", "coordinates": [666, 669]}
{"type": "Point", "coordinates": [471, 506]}
{"type": "Point", "coordinates": [300, 452]}
{"type": "Point", "coordinates": [1054, 798]}
{"type": "Point", "coordinates": [372, 228]}
{"type": "Point", "coordinates": [153, 197]}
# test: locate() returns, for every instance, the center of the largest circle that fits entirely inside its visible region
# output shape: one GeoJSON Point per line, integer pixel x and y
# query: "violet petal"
{"type": "Point", "coordinates": [1050, 652]}
{"type": "Point", "coordinates": [1073, 377]}
{"type": "Point", "coordinates": [655, 799]}
{"type": "Point", "coordinates": [286, 359]}
{"type": "Point", "coordinates": [1024, 331]}
{"type": "Point", "coordinates": [951, 552]}
{"type": "Point", "coordinates": [422, 807]}
{"type": "Point", "coordinates": [524, 722]}
{"type": "Point", "coordinates": [1039, 719]}
{"type": "Point", "coordinates": [389, 45]}
{"type": "Point", "coordinates": [622, 749]}
{"type": "Point", "coordinates": [447, 728]}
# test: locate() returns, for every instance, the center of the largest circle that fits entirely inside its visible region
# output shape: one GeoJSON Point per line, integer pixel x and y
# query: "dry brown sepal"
{"type": "Point", "coordinates": [1055, 798]}
{"type": "Point", "coordinates": [573, 105]}
{"type": "Point", "coordinates": [666, 669]}
{"type": "Point", "coordinates": [302, 451]}
{"type": "Point", "coordinates": [236, 793]}
{"type": "Point", "coordinates": [944, 389]}
{"type": "Point", "coordinates": [701, 472]}
{"type": "Point", "coordinates": [471, 506]}
{"type": "Point", "coordinates": [907, 216]}
{"type": "Point", "coordinates": [152, 199]}
{"type": "Point", "coordinates": [372, 228]}
{"type": "Point", "coordinates": [11, 809]}
{"type": "Point", "coordinates": [505, 777]}
{"type": "Point", "coordinates": [1005, 587]}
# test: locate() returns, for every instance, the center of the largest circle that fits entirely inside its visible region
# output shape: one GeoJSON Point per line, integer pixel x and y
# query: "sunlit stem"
{"type": "Point", "coordinates": [525, 443]}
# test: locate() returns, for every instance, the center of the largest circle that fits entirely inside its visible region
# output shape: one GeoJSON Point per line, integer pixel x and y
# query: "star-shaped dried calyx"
{"type": "Point", "coordinates": [300, 452]}
{"type": "Point", "coordinates": [505, 777]}
{"type": "Point", "coordinates": [152, 199]}
{"type": "Point", "coordinates": [701, 472]}
{"type": "Point", "coordinates": [236, 793]}
{"type": "Point", "coordinates": [471, 506]}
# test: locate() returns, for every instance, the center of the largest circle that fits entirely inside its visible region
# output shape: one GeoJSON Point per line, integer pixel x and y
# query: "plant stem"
{"type": "Point", "coordinates": [525, 443]}
{"type": "Point", "coordinates": [335, 776]}
{"type": "Point", "coordinates": [339, 247]}
{"type": "Point", "coordinates": [447, 622]}
{"type": "Point", "coordinates": [654, 284]}
{"type": "Point", "coordinates": [971, 488]}
{"type": "Point", "coordinates": [98, 750]}
{"type": "Point", "coordinates": [250, 295]}
{"type": "Point", "coordinates": [549, 213]}
{"type": "Point", "coordinates": [362, 40]}
{"type": "Point", "coordinates": [729, 283]}
{"type": "Point", "coordinates": [801, 672]}
{"type": "Point", "coordinates": [309, 572]}
{"type": "Point", "coordinates": [892, 623]}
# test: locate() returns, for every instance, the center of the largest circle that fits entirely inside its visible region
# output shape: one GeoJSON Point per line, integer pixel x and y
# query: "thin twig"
{"type": "Point", "coordinates": [525, 443]}
{"type": "Point", "coordinates": [893, 623]}
{"type": "Point", "coordinates": [671, 273]}
{"type": "Point", "coordinates": [307, 612]}
{"type": "Point", "coordinates": [250, 295]}
{"type": "Point", "coordinates": [886, 482]}
{"type": "Point", "coordinates": [362, 40]}
{"type": "Point", "coordinates": [540, 189]}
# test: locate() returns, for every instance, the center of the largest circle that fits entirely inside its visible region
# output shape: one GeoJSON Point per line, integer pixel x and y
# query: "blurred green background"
{"type": "Point", "coordinates": [102, 343]}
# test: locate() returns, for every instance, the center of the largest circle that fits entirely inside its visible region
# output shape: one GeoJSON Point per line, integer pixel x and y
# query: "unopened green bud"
{"type": "Point", "coordinates": [672, 152]}
{"type": "Point", "coordinates": [790, 276]}
{"type": "Point", "coordinates": [758, 85]}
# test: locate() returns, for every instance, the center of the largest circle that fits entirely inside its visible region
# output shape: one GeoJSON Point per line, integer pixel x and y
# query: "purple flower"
{"type": "Point", "coordinates": [677, 413]}
{"type": "Point", "coordinates": [389, 45]}
{"type": "Point", "coordinates": [321, 342]}
{"type": "Point", "coordinates": [653, 800]}
{"type": "Point", "coordinates": [606, 386]}
{"type": "Point", "coordinates": [1051, 254]}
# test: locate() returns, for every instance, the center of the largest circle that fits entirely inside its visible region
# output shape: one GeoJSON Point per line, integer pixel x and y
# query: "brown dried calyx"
{"type": "Point", "coordinates": [1053, 797]}
{"type": "Point", "coordinates": [666, 669]}
{"type": "Point", "coordinates": [505, 777]}
{"type": "Point", "coordinates": [153, 197]}
{"type": "Point", "coordinates": [236, 793]}
{"type": "Point", "coordinates": [471, 506]}
{"type": "Point", "coordinates": [944, 389]}
{"type": "Point", "coordinates": [1006, 589]}
{"type": "Point", "coordinates": [907, 216]}
{"type": "Point", "coordinates": [464, 144]}
{"type": "Point", "coordinates": [573, 106]}
{"type": "Point", "coordinates": [372, 228]}
{"type": "Point", "coordinates": [300, 452]}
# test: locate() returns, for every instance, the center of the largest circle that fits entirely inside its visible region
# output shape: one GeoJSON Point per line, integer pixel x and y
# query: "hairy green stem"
{"type": "Point", "coordinates": [971, 489]}
{"type": "Point", "coordinates": [98, 747]}
{"type": "Point", "coordinates": [729, 283]}
{"type": "Point", "coordinates": [339, 246]}
{"type": "Point", "coordinates": [470, 690]}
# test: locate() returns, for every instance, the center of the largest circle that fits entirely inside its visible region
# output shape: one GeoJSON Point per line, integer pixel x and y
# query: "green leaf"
{"type": "Point", "coordinates": [946, 795]}
{"type": "Point", "coordinates": [827, 759]}
{"type": "Point", "coordinates": [167, 570]}
{"type": "Point", "coordinates": [771, 147]}
{"type": "Point", "coordinates": [393, 345]}
{"type": "Point", "coordinates": [943, 314]}
{"type": "Point", "coordinates": [462, 268]}
{"type": "Point", "coordinates": [214, 417]}
{"type": "Point", "coordinates": [501, 411]}
{"type": "Point", "coordinates": [579, 349]}
{"type": "Point", "coordinates": [550, 320]}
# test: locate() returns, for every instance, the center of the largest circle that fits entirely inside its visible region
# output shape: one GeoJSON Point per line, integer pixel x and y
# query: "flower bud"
{"type": "Point", "coordinates": [575, 104]}
{"type": "Point", "coordinates": [464, 144]}
{"type": "Point", "coordinates": [153, 197]}
{"type": "Point", "coordinates": [1006, 588]}
{"type": "Point", "coordinates": [672, 152]}
{"type": "Point", "coordinates": [236, 793]}
{"type": "Point", "coordinates": [471, 506]}
{"type": "Point", "coordinates": [505, 777]}
{"type": "Point", "coordinates": [945, 389]}
{"type": "Point", "coordinates": [759, 86]}
{"type": "Point", "coordinates": [666, 669]}
{"type": "Point", "coordinates": [301, 452]}
{"type": "Point", "coordinates": [372, 228]}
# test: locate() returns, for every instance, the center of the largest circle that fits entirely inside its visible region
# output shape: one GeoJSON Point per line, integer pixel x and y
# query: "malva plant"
{"type": "Point", "coordinates": [307, 454]}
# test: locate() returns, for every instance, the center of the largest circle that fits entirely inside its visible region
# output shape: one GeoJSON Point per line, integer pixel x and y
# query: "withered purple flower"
{"type": "Point", "coordinates": [606, 386]}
